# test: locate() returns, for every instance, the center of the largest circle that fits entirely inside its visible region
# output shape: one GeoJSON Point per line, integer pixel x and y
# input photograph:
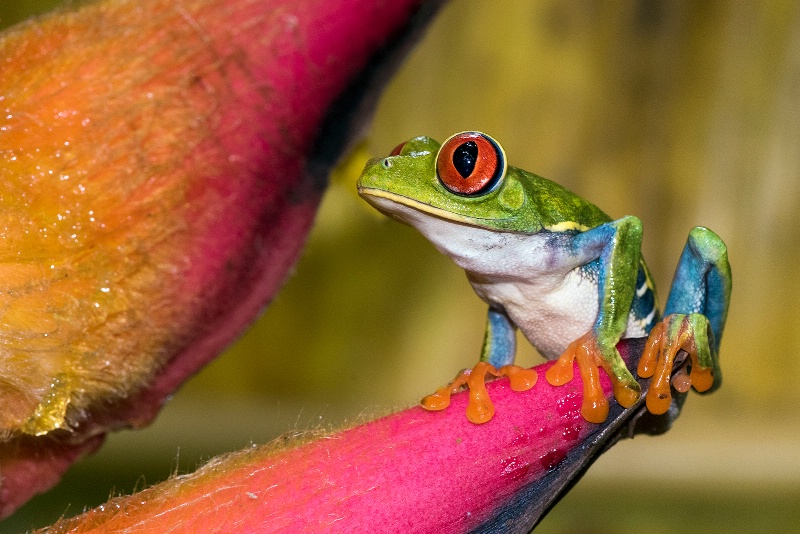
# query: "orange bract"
{"type": "Point", "coordinates": [93, 208]}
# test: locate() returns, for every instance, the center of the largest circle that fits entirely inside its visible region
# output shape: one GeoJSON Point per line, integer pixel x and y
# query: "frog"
{"type": "Point", "coordinates": [560, 270]}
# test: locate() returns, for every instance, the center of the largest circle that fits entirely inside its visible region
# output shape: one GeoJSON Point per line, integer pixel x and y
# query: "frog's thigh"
{"type": "Point", "coordinates": [702, 282]}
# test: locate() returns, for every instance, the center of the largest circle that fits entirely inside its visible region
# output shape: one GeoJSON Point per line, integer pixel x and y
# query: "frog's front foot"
{"type": "Point", "coordinates": [590, 356]}
{"type": "Point", "coordinates": [678, 331]}
{"type": "Point", "coordinates": [480, 408]}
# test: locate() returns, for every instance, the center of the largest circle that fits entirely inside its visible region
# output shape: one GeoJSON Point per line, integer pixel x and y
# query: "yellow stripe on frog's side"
{"type": "Point", "coordinates": [566, 226]}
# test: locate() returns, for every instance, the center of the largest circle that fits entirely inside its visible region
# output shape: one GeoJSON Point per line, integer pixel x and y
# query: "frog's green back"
{"type": "Point", "coordinates": [555, 207]}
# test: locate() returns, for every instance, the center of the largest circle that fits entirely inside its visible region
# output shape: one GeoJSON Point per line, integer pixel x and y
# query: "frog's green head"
{"type": "Point", "coordinates": [466, 179]}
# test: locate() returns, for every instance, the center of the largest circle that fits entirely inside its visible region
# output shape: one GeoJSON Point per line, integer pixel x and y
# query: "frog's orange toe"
{"type": "Point", "coordinates": [625, 395]}
{"type": "Point", "coordinates": [519, 378]}
{"type": "Point", "coordinates": [658, 400]}
{"type": "Point", "coordinates": [702, 378]}
{"type": "Point", "coordinates": [441, 399]}
{"type": "Point", "coordinates": [595, 407]}
{"type": "Point", "coordinates": [437, 401]}
{"type": "Point", "coordinates": [561, 371]}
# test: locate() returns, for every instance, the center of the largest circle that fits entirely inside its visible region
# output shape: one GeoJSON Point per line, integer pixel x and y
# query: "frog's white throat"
{"type": "Point", "coordinates": [475, 249]}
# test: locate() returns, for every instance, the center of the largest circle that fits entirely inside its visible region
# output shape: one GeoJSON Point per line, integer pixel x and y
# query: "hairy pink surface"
{"type": "Point", "coordinates": [414, 471]}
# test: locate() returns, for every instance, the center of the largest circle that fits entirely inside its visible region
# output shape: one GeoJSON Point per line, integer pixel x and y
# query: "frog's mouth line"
{"type": "Point", "coordinates": [425, 208]}
{"type": "Point", "coordinates": [482, 222]}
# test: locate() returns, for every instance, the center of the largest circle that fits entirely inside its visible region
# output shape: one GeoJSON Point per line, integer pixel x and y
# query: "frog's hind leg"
{"type": "Point", "coordinates": [694, 319]}
{"type": "Point", "coordinates": [702, 282]}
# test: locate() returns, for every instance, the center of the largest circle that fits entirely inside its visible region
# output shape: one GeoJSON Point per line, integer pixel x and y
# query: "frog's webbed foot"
{"type": "Point", "coordinates": [678, 331]}
{"type": "Point", "coordinates": [590, 356]}
{"type": "Point", "coordinates": [480, 408]}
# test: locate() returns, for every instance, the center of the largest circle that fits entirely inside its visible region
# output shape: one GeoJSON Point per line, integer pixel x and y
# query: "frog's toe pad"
{"type": "Point", "coordinates": [480, 408]}
{"type": "Point", "coordinates": [520, 379]}
{"type": "Point", "coordinates": [441, 398]}
{"type": "Point", "coordinates": [625, 394]}
{"type": "Point", "coordinates": [436, 401]}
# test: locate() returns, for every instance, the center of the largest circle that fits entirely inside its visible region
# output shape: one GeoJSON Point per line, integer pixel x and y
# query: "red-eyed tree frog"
{"type": "Point", "coordinates": [555, 266]}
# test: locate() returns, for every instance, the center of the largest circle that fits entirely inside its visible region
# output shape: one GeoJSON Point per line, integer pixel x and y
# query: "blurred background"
{"type": "Point", "coordinates": [682, 113]}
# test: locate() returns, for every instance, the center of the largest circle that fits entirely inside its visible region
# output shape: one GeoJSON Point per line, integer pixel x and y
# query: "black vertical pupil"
{"type": "Point", "coordinates": [464, 158]}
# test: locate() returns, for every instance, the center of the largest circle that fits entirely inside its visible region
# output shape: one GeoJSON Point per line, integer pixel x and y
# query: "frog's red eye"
{"type": "Point", "coordinates": [470, 163]}
{"type": "Point", "coordinates": [396, 151]}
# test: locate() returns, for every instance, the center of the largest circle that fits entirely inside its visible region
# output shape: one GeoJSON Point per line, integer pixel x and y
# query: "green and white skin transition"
{"type": "Point", "coordinates": [558, 268]}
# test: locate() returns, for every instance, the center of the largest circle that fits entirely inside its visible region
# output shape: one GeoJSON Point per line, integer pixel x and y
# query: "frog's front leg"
{"type": "Point", "coordinates": [694, 320]}
{"type": "Point", "coordinates": [616, 247]}
{"type": "Point", "coordinates": [497, 358]}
